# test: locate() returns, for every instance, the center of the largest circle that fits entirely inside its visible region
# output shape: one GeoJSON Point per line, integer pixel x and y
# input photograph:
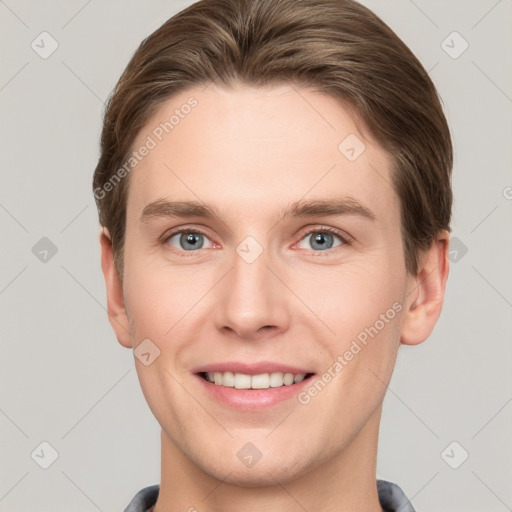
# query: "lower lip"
{"type": "Point", "coordinates": [252, 399]}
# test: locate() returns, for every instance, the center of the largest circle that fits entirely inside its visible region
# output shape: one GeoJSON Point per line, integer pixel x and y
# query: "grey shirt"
{"type": "Point", "coordinates": [391, 497]}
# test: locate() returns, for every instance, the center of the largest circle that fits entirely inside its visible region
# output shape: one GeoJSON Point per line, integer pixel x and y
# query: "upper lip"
{"type": "Point", "coordinates": [250, 368]}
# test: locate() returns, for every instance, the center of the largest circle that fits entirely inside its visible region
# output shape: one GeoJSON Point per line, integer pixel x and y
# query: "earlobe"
{"type": "Point", "coordinates": [426, 292]}
{"type": "Point", "coordinates": [117, 315]}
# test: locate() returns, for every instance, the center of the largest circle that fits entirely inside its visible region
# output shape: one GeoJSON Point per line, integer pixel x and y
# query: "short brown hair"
{"type": "Point", "coordinates": [339, 47]}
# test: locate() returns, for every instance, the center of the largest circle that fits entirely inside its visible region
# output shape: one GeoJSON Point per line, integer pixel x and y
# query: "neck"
{"type": "Point", "coordinates": [344, 482]}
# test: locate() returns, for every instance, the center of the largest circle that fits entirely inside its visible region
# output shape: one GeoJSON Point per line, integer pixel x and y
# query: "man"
{"type": "Point", "coordinates": [274, 194]}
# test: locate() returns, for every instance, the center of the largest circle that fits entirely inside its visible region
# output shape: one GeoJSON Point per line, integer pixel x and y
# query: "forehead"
{"type": "Point", "coordinates": [249, 149]}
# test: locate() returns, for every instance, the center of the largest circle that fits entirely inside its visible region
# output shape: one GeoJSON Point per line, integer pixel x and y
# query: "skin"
{"type": "Point", "coordinates": [250, 153]}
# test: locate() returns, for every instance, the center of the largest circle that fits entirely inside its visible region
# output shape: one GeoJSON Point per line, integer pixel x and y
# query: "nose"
{"type": "Point", "coordinates": [252, 301]}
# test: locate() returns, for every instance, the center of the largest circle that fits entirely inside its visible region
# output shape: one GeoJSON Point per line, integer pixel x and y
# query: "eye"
{"type": "Point", "coordinates": [187, 240]}
{"type": "Point", "coordinates": [322, 239]}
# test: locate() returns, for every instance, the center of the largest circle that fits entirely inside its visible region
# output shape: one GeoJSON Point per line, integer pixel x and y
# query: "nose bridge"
{"type": "Point", "coordinates": [251, 298]}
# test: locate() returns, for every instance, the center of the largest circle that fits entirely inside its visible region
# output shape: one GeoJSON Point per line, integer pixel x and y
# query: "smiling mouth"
{"type": "Point", "coordinates": [260, 381]}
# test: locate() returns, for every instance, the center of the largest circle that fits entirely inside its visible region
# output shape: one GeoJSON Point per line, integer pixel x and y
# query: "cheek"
{"type": "Point", "coordinates": [351, 297]}
{"type": "Point", "coordinates": [158, 295]}
{"type": "Point", "coordinates": [363, 306]}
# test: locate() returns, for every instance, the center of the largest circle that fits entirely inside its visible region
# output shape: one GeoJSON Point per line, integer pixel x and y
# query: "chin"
{"type": "Point", "coordinates": [262, 474]}
{"type": "Point", "coordinates": [257, 477]}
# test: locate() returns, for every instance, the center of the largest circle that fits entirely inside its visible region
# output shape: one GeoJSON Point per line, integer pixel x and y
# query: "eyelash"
{"type": "Point", "coordinates": [345, 239]}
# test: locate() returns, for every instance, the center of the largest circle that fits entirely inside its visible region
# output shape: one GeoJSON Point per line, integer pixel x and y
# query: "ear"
{"type": "Point", "coordinates": [117, 315]}
{"type": "Point", "coordinates": [426, 292]}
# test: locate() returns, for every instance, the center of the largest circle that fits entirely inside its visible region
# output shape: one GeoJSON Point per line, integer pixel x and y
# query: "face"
{"type": "Point", "coordinates": [293, 265]}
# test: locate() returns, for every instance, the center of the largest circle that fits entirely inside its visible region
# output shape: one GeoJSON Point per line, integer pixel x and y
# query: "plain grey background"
{"type": "Point", "coordinates": [67, 382]}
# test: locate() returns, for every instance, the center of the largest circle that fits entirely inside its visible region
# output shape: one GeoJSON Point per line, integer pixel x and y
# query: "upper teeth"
{"type": "Point", "coordinates": [261, 381]}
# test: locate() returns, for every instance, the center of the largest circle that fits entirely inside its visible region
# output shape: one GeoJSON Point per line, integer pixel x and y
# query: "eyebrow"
{"type": "Point", "coordinates": [163, 208]}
